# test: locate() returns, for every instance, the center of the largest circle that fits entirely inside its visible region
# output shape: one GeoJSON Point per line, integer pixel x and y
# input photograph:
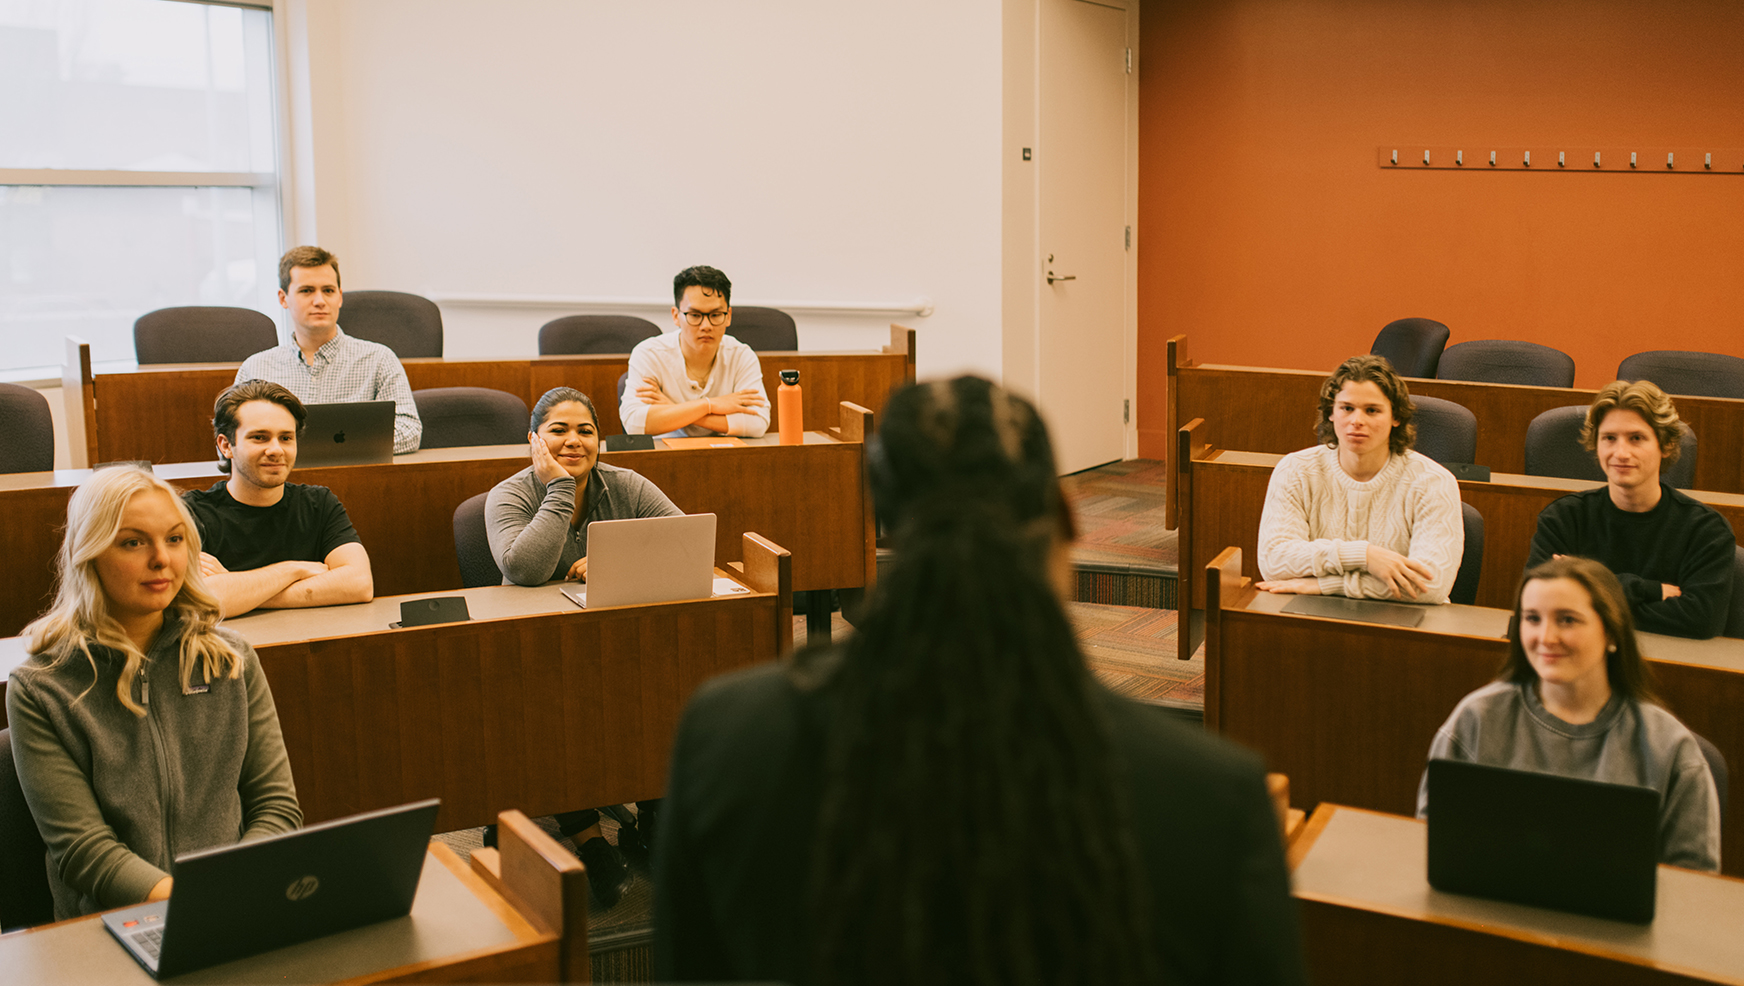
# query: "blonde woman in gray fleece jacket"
{"type": "Point", "coordinates": [1574, 698]}
{"type": "Point", "coordinates": [141, 730]}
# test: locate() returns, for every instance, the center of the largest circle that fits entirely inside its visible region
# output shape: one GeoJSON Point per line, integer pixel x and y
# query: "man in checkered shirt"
{"type": "Point", "coordinates": [323, 365]}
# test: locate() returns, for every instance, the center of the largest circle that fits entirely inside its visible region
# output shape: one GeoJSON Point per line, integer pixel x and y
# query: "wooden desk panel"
{"type": "Point", "coordinates": [1347, 710]}
{"type": "Point", "coordinates": [164, 413]}
{"type": "Point", "coordinates": [1264, 409]}
{"type": "Point", "coordinates": [1370, 916]}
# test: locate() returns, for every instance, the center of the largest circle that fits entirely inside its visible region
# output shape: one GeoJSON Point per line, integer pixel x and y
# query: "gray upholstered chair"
{"type": "Point", "coordinates": [24, 895]}
{"type": "Point", "coordinates": [1735, 615]}
{"type": "Point", "coordinates": [1692, 374]}
{"type": "Point", "coordinates": [577, 334]}
{"type": "Point", "coordinates": [202, 334]}
{"type": "Point", "coordinates": [1717, 767]}
{"type": "Point", "coordinates": [472, 546]}
{"type": "Point", "coordinates": [455, 416]}
{"type": "Point", "coordinates": [408, 324]}
{"type": "Point", "coordinates": [1446, 432]}
{"type": "Point", "coordinates": [1412, 345]}
{"type": "Point", "coordinates": [764, 329]}
{"type": "Point", "coordinates": [1506, 361]}
{"type": "Point", "coordinates": [26, 430]}
{"type": "Point", "coordinates": [1553, 448]}
{"type": "Point", "coordinates": [1471, 564]}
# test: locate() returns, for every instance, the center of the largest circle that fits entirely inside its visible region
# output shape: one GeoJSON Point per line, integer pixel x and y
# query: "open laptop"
{"type": "Point", "coordinates": [647, 560]}
{"type": "Point", "coordinates": [1542, 839]}
{"type": "Point", "coordinates": [253, 897]}
{"type": "Point", "coordinates": [359, 433]}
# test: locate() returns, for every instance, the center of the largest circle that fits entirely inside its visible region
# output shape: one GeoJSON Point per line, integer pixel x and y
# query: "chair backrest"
{"type": "Point", "coordinates": [1717, 767]}
{"type": "Point", "coordinates": [764, 329]}
{"type": "Point", "coordinates": [472, 546]}
{"type": "Point", "coordinates": [1446, 432]}
{"type": "Point", "coordinates": [1412, 345]}
{"type": "Point", "coordinates": [202, 334]}
{"type": "Point", "coordinates": [576, 334]}
{"type": "Point", "coordinates": [24, 895]}
{"type": "Point", "coordinates": [623, 381]}
{"type": "Point", "coordinates": [1682, 473]}
{"type": "Point", "coordinates": [408, 324]}
{"type": "Point", "coordinates": [1507, 361]}
{"type": "Point", "coordinates": [1553, 445]}
{"type": "Point", "coordinates": [1465, 584]}
{"type": "Point", "coordinates": [26, 430]}
{"type": "Point", "coordinates": [455, 416]}
{"type": "Point", "coordinates": [1735, 616]}
{"type": "Point", "coordinates": [1693, 374]}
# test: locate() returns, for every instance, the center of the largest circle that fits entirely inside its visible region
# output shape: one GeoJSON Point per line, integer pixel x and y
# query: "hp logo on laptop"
{"type": "Point", "coordinates": [303, 889]}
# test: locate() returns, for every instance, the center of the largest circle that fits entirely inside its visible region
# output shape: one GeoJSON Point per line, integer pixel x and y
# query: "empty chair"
{"type": "Point", "coordinates": [1735, 615]}
{"type": "Point", "coordinates": [1412, 345]}
{"type": "Point", "coordinates": [408, 324]}
{"type": "Point", "coordinates": [764, 329]}
{"type": "Point", "coordinates": [455, 416]}
{"type": "Point", "coordinates": [471, 545]}
{"type": "Point", "coordinates": [1678, 371]}
{"type": "Point", "coordinates": [1446, 432]}
{"type": "Point", "coordinates": [202, 334]}
{"type": "Point", "coordinates": [576, 334]}
{"type": "Point", "coordinates": [1507, 361]}
{"type": "Point", "coordinates": [1553, 448]}
{"type": "Point", "coordinates": [26, 430]}
{"type": "Point", "coordinates": [1465, 584]}
{"type": "Point", "coordinates": [24, 895]}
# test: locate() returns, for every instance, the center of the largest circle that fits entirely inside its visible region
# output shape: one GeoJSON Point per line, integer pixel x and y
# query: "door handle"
{"type": "Point", "coordinates": [1052, 277]}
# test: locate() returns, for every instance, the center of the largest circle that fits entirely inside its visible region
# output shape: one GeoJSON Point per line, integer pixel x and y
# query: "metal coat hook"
{"type": "Point", "coordinates": [1395, 155]}
{"type": "Point", "coordinates": [1492, 159]}
{"type": "Point", "coordinates": [1528, 160]}
{"type": "Point", "coordinates": [1425, 155]}
{"type": "Point", "coordinates": [1669, 158]}
{"type": "Point", "coordinates": [1559, 161]}
{"type": "Point", "coordinates": [1459, 158]}
{"type": "Point", "coordinates": [1595, 159]}
{"type": "Point", "coordinates": [1631, 159]}
{"type": "Point", "coordinates": [1709, 162]}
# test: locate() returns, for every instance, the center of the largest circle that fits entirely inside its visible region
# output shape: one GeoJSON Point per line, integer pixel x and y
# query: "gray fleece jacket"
{"type": "Point", "coordinates": [528, 525]}
{"type": "Point", "coordinates": [1504, 724]}
{"type": "Point", "coordinates": [117, 796]}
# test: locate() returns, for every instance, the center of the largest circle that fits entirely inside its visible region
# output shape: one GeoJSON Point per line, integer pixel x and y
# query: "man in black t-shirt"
{"type": "Point", "coordinates": [1673, 554]}
{"type": "Point", "coordinates": [265, 542]}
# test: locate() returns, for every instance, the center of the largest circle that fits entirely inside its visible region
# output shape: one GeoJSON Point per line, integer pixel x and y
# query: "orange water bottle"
{"type": "Point", "coordinates": [790, 409]}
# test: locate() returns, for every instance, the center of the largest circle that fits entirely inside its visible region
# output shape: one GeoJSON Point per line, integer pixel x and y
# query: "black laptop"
{"type": "Point", "coordinates": [1543, 839]}
{"type": "Point", "coordinates": [359, 433]}
{"type": "Point", "coordinates": [253, 897]}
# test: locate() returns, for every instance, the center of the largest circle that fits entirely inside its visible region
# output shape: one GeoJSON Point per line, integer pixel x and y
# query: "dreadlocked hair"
{"type": "Point", "coordinates": [972, 829]}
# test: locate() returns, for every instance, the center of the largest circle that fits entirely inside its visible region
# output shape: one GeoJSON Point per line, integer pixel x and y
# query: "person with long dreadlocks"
{"type": "Point", "coordinates": [949, 796]}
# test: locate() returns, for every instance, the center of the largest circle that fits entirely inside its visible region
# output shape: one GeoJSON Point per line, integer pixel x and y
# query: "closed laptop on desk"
{"type": "Point", "coordinates": [647, 560]}
{"type": "Point", "coordinates": [1542, 839]}
{"type": "Point", "coordinates": [359, 433]}
{"type": "Point", "coordinates": [241, 900]}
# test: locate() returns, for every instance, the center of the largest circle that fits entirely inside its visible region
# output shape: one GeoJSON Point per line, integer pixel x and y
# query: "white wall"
{"type": "Point", "coordinates": [830, 152]}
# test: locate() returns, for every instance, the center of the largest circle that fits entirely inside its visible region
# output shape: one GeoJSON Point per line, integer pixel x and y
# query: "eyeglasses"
{"type": "Point", "coordinates": [714, 318]}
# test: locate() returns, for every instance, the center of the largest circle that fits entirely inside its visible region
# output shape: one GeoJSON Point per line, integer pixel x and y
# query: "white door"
{"type": "Point", "coordinates": [1082, 376]}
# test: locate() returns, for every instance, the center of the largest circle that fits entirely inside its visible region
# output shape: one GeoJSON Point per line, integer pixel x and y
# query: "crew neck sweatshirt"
{"type": "Point", "coordinates": [1679, 542]}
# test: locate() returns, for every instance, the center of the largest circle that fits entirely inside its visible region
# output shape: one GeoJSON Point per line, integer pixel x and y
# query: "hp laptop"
{"type": "Point", "coordinates": [647, 560]}
{"type": "Point", "coordinates": [1559, 842]}
{"type": "Point", "coordinates": [355, 434]}
{"type": "Point", "coordinates": [253, 897]}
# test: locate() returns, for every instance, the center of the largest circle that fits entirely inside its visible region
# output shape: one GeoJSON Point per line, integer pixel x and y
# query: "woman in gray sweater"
{"type": "Point", "coordinates": [141, 730]}
{"type": "Point", "coordinates": [1574, 698]}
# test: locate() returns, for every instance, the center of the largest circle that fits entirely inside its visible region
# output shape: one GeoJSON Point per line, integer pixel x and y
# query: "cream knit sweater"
{"type": "Point", "coordinates": [1318, 522]}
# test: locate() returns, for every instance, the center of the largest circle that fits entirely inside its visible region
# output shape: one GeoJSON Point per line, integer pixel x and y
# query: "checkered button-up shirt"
{"type": "Point", "coordinates": [344, 370]}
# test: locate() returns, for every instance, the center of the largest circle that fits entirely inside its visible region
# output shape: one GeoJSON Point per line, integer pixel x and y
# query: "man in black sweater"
{"type": "Point", "coordinates": [1673, 555]}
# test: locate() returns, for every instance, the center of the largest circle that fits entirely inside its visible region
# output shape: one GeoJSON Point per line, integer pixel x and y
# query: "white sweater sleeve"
{"type": "Point", "coordinates": [1428, 504]}
{"type": "Point", "coordinates": [1288, 549]}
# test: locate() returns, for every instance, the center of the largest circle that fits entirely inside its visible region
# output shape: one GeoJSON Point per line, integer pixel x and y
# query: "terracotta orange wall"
{"type": "Point", "coordinates": [1270, 237]}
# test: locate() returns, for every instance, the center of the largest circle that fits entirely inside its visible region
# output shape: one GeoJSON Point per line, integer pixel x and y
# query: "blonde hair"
{"type": "Point", "coordinates": [1644, 398]}
{"type": "Point", "coordinates": [80, 615]}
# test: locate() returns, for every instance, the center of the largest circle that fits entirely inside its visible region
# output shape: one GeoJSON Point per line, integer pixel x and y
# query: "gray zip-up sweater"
{"type": "Point", "coordinates": [1504, 724]}
{"type": "Point", "coordinates": [527, 522]}
{"type": "Point", "coordinates": [118, 797]}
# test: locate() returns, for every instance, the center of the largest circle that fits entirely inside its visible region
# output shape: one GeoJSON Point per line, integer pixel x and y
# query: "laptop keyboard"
{"type": "Point", "coordinates": [151, 940]}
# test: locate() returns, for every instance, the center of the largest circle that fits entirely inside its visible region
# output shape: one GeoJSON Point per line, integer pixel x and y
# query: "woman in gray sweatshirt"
{"type": "Point", "coordinates": [141, 731]}
{"type": "Point", "coordinates": [1574, 698]}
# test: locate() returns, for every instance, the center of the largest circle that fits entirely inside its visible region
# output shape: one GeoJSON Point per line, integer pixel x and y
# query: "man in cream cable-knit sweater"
{"type": "Point", "coordinates": [1362, 515]}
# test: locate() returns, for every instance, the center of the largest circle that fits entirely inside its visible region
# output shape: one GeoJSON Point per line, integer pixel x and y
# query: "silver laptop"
{"type": "Point", "coordinates": [360, 433]}
{"type": "Point", "coordinates": [647, 560]}
{"type": "Point", "coordinates": [253, 897]}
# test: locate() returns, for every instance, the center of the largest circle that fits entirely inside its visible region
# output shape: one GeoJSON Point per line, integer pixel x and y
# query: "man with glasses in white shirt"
{"type": "Point", "coordinates": [699, 380]}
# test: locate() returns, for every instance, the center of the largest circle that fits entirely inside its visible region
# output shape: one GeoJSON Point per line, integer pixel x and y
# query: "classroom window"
{"type": "Point", "coordinates": [138, 170]}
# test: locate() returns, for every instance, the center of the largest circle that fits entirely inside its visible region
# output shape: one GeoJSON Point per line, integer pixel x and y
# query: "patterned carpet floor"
{"type": "Point", "coordinates": [1120, 510]}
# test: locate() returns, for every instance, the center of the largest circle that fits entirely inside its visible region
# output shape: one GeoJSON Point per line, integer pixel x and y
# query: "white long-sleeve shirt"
{"type": "Point", "coordinates": [736, 368]}
{"type": "Point", "coordinates": [1318, 522]}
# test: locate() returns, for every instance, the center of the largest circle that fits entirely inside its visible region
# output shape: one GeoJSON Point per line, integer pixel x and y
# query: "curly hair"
{"type": "Point", "coordinates": [1644, 398]}
{"type": "Point", "coordinates": [1375, 370]}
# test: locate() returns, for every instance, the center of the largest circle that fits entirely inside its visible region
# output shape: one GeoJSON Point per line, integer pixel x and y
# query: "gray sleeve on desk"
{"type": "Point", "coordinates": [526, 535]}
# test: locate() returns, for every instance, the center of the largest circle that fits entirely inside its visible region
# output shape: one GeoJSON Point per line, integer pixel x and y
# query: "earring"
{"type": "Point", "coordinates": [1612, 649]}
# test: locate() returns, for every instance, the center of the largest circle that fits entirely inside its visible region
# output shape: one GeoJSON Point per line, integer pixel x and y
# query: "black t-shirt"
{"type": "Point", "coordinates": [306, 524]}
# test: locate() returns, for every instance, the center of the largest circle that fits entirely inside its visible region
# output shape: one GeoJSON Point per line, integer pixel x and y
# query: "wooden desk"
{"type": "Point", "coordinates": [811, 499]}
{"type": "Point", "coordinates": [459, 930]}
{"type": "Point", "coordinates": [1221, 493]}
{"type": "Point", "coordinates": [1348, 710]}
{"type": "Point", "coordinates": [1271, 410]}
{"type": "Point", "coordinates": [164, 413]}
{"type": "Point", "coordinates": [1370, 916]}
